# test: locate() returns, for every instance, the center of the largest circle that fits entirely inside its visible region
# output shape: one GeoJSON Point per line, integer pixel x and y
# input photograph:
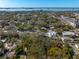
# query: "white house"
{"type": "Point", "coordinates": [67, 39]}
{"type": "Point", "coordinates": [72, 24]}
{"type": "Point", "coordinates": [68, 33]}
{"type": "Point", "coordinates": [51, 33]}
{"type": "Point", "coordinates": [77, 46]}
{"type": "Point", "coordinates": [3, 40]}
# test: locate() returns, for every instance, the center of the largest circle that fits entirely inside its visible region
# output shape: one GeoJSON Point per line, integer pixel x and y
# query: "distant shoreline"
{"type": "Point", "coordinates": [34, 7]}
{"type": "Point", "coordinates": [40, 8]}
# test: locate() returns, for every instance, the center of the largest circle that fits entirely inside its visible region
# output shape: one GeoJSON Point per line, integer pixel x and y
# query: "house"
{"type": "Point", "coordinates": [3, 40]}
{"type": "Point", "coordinates": [67, 33]}
{"type": "Point", "coordinates": [77, 46]}
{"type": "Point", "coordinates": [72, 24]}
{"type": "Point", "coordinates": [67, 39]}
{"type": "Point", "coordinates": [9, 46]}
{"type": "Point", "coordinates": [51, 33]}
{"type": "Point", "coordinates": [43, 28]}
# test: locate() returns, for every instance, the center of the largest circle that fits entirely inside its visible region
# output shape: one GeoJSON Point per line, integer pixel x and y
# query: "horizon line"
{"type": "Point", "coordinates": [33, 7]}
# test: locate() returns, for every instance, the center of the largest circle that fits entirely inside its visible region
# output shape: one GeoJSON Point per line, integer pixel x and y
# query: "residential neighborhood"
{"type": "Point", "coordinates": [39, 35]}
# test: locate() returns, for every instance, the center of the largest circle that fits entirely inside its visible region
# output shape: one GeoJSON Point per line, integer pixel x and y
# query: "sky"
{"type": "Point", "coordinates": [39, 3]}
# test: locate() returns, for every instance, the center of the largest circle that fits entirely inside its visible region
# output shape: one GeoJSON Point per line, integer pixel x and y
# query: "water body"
{"type": "Point", "coordinates": [38, 9]}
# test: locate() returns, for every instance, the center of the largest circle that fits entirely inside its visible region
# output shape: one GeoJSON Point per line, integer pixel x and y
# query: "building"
{"type": "Point", "coordinates": [67, 33]}
{"type": "Point", "coordinates": [9, 46]}
{"type": "Point", "coordinates": [51, 33]}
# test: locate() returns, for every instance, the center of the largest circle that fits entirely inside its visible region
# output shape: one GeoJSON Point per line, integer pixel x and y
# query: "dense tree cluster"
{"type": "Point", "coordinates": [41, 47]}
